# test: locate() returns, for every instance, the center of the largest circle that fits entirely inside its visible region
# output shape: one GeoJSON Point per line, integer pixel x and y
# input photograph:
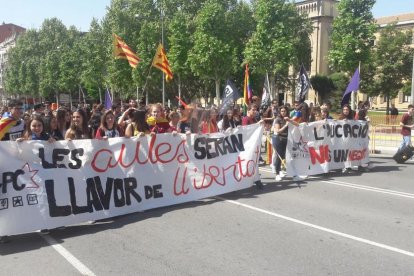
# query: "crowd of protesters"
{"type": "Point", "coordinates": [139, 119]}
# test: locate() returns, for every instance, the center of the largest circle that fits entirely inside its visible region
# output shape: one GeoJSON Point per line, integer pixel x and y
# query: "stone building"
{"type": "Point", "coordinates": [403, 22]}
{"type": "Point", "coordinates": [8, 36]}
{"type": "Point", "coordinates": [322, 14]}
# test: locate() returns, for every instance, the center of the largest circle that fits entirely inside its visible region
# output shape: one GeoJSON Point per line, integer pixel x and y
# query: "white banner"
{"type": "Point", "coordinates": [47, 185]}
{"type": "Point", "coordinates": [322, 146]}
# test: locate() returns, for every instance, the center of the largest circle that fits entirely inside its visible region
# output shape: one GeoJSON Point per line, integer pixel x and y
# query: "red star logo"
{"type": "Point", "coordinates": [31, 173]}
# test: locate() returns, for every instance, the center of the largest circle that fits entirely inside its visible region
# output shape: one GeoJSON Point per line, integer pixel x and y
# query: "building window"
{"type": "Point", "coordinates": [407, 99]}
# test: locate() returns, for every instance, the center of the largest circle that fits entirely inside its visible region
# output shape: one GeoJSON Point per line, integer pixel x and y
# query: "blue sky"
{"type": "Point", "coordinates": [31, 13]}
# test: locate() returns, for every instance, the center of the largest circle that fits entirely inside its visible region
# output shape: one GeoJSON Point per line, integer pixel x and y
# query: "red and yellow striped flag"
{"type": "Point", "coordinates": [247, 91]}
{"type": "Point", "coordinates": [122, 51]}
{"type": "Point", "coordinates": [160, 61]}
{"type": "Point", "coordinates": [5, 124]}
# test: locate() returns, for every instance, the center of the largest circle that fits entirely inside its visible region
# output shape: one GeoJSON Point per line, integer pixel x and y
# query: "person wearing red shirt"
{"type": "Point", "coordinates": [248, 120]}
{"type": "Point", "coordinates": [407, 123]}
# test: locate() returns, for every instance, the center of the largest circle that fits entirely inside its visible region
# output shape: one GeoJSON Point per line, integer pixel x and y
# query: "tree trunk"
{"type": "Point", "coordinates": [388, 104]}
{"type": "Point", "coordinates": [218, 91]}
{"type": "Point", "coordinates": [273, 89]}
{"type": "Point", "coordinates": [179, 87]}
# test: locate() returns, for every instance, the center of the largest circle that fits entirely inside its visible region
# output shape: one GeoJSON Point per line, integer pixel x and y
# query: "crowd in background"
{"type": "Point", "coordinates": [138, 119]}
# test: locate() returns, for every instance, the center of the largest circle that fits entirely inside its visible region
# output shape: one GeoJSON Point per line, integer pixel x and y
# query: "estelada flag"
{"type": "Point", "coordinates": [5, 124]}
{"type": "Point", "coordinates": [160, 61]}
{"type": "Point", "coordinates": [122, 51]}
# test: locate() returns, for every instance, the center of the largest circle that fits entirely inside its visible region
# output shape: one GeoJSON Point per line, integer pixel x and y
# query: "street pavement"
{"type": "Point", "coordinates": [354, 224]}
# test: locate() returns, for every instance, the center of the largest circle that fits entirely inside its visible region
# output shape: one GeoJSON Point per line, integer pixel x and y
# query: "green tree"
{"type": "Point", "coordinates": [340, 82]}
{"type": "Point", "coordinates": [22, 74]}
{"type": "Point", "coordinates": [392, 62]}
{"type": "Point", "coordinates": [212, 56]}
{"type": "Point", "coordinates": [70, 62]}
{"type": "Point", "coordinates": [352, 35]}
{"type": "Point", "coordinates": [278, 40]}
{"type": "Point", "coordinates": [180, 45]}
{"type": "Point", "coordinates": [53, 37]}
{"type": "Point", "coordinates": [95, 55]}
{"type": "Point", "coordinates": [323, 85]}
{"type": "Point", "coordinates": [121, 19]}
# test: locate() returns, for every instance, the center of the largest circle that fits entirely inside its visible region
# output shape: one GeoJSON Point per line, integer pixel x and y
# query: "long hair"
{"type": "Point", "coordinates": [80, 132]}
{"type": "Point", "coordinates": [103, 120]}
{"type": "Point", "coordinates": [28, 132]}
{"type": "Point", "coordinates": [61, 119]}
{"type": "Point", "coordinates": [140, 120]}
{"type": "Point", "coordinates": [350, 116]}
{"type": "Point", "coordinates": [228, 122]}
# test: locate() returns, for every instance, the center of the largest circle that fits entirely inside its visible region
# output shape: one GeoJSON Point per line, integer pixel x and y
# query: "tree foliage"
{"type": "Point", "coordinates": [393, 62]}
{"type": "Point", "coordinates": [323, 85]}
{"type": "Point", "coordinates": [352, 35]}
{"type": "Point", "coordinates": [207, 41]}
{"type": "Point", "coordinates": [280, 39]}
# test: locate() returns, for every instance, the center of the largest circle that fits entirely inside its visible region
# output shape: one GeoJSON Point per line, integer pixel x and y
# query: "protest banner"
{"type": "Point", "coordinates": [322, 146]}
{"type": "Point", "coordinates": [47, 185]}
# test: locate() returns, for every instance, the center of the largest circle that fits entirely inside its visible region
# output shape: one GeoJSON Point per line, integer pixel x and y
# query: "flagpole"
{"type": "Point", "coordinates": [100, 96]}
{"type": "Point", "coordinates": [268, 83]}
{"type": "Point", "coordinates": [179, 86]}
{"type": "Point", "coordinates": [145, 85]}
{"type": "Point", "coordinates": [137, 93]}
{"type": "Point", "coordinates": [354, 94]}
{"type": "Point", "coordinates": [162, 41]}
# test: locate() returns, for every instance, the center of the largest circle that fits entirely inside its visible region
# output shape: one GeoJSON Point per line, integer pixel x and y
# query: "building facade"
{"type": "Point", "coordinates": [8, 36]}
{"type": "Point", "coordinates": [404, 22]}
{"type": "Point", "coordinates": [322, 14]}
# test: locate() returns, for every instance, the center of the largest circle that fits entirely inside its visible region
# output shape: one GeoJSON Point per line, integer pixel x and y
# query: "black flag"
{"type": "Point", "coordinates": [303, 84]}
{"type": "Point", "coordinates": [266, 97]}
{"type": "Point", "coordinates": [230, 95]}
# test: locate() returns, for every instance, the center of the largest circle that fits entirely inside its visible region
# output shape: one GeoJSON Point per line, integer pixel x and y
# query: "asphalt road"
{"type": "Point", "coordinates": [357, 224]}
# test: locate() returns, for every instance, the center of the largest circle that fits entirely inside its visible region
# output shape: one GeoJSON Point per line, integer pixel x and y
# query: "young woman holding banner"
{"type": "Point", "coordinates": [79, 126]}
{"type": "Point", "coordinates": [347, 115]}
{"type": "Point", "coordinates": [279, 140]}
{"type": "Point", "coordinates": [109, 127]}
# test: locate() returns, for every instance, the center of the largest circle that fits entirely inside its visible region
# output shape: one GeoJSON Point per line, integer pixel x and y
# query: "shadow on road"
{"type": "Point", "coordinates": [34, 241]}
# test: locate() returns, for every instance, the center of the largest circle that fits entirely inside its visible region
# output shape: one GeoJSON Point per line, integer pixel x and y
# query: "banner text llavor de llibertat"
{"type": "Point", "coordinates": [47, 185]}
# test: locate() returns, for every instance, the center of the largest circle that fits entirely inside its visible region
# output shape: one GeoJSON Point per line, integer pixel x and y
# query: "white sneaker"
{"type": "Point", "coordinates": [278, 178]}
{"type": "Point", "coordinates": [283, 173]}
